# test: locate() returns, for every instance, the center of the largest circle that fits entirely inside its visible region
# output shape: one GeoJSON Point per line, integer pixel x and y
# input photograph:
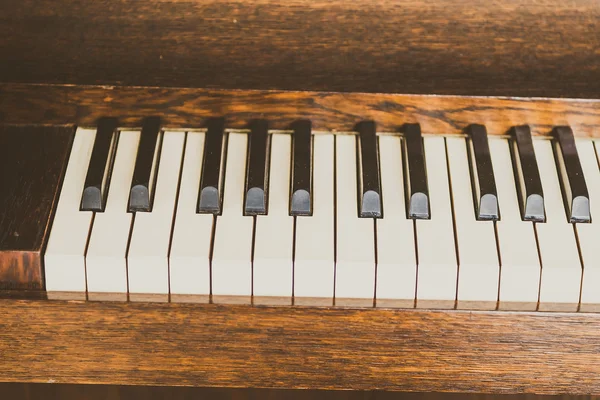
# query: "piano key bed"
{"type": "Point", "coordinates": [368, 252]}
{"type": "Point", "coordinates": [451, 257]}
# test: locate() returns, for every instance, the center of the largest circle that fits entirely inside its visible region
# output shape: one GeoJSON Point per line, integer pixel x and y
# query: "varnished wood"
{"type": "Point", "coordinates": [172, 49]}
{"type": "Point", "coordinates": [140, 343]}
{"type": "Point", "coordinates": [29, 391]}
{"type": "Point", "coordinates": [190, 108]}
{"type": "Point", "coordinates": [542, 48]}
{"type": "Point", "coordinates": [32, 161]}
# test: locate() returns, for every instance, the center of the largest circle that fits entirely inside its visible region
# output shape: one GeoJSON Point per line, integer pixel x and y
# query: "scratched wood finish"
{"type": "Point", "coordinates": [542, 48]}
{"type": "Point", "coordinates": [32, 160]}
{"type": "Point", "coordinates": [189, 108]}
{"type": "Point", "coordinates": [166, 344]}
{"type": "Point", "coordinates": [33, 391]}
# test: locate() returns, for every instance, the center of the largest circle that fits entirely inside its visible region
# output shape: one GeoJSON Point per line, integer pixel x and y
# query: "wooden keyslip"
{"type": "Point", "coordinates": [147, 343]}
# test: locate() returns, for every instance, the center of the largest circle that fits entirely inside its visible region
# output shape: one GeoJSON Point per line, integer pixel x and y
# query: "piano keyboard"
{"type": "Point", "coordinates": [388, 219]}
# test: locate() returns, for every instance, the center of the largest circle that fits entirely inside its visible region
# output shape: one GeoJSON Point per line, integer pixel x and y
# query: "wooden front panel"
{"type": "Point", "coordinates": [546, 48]}
{"type": "Point", "coordinates": [32, 161]}
{"type": "Point", "coordinates": [298, 347]}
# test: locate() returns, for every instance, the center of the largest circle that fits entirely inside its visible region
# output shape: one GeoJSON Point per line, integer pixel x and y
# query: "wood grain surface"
{"type": "Point", "coordinates": [40, 391]}
{"type": "Point", "coordinates": [545, 48]}
{"type": "Point", "coordinates": [190, 108]}
{"type": "Point", "coordinates": [298, 347]}
{"type": "Point", "coordinates": [32, 161]}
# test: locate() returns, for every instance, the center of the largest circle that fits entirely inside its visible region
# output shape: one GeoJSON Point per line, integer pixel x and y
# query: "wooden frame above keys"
{"type": "Point", "coordinates": [328, 111]}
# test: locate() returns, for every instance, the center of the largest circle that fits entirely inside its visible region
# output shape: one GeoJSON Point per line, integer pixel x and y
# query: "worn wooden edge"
{"type": "Point", "coordinates": [189, 108]}
{"type": "Point", "coordinates": [218, 345]}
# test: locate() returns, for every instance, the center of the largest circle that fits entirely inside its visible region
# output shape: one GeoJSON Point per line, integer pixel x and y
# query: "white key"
{"type": "Point", "coordinates": [150, 238]}
{"type": "Point", "coordinates": [107, 249]}
{"type": "Point", "coordinates": [189, 263]}
{"type": "Point", "coordinates": [396, 257]}
{"type": "Point", "coordinates": [232, 253]}
{"type": "Point", "coordinates": [561, 267]}
{"type": "Point", "coordinates": [314, 265]}
{"type": "Point", "coordinates": [355, 269]}
{"type": "Point", "coordinates": [520, 271]}
{"type": "Point", "coordinates": [274, 233]}
{"type": "Point", "coordinates": [588, 234]}
{"type": "Point", "coordinates": [64, 259]}
{"type": "Point", "coordinates": [478, 271]}
{"type": "Point", "coordinates": [437, 269]}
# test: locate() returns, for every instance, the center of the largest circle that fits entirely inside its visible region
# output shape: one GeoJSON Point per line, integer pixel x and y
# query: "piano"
{"type": "Point", "coordinates": [388, 196]}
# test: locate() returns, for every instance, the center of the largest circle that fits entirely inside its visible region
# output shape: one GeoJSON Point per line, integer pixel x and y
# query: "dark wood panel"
{"type": "Point", "coordinates": [32, 161]}
{"type": "Point", "coordinates": [296, 347]}
{"type": "Point", "coordinates": [189, 108]}
{"type": "Point", "coordinates": [31, 391]}
{"type": "Point", "coordinates": [542, 48]}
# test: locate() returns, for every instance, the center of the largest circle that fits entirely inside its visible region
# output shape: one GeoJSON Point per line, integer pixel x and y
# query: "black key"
{"type": "Point", "coordinates": [300, 203]}
{"type": "Point", "coordinates": [571, 175]}
{"type": "Point", "coordinates": [368, 165]}
{"type": "Point", "coordinates": [211, 182]}
{"type": "Point", "coordinates": [146, 167]}
{"type": "Point", "coordinates": [99, 171]}
{"type": "Point", "coordinates": [528, 175]}
{"type": "Point", "coordinates": [256, 176]}
{"type": "Point", "coordinates": [417, 190]}
{"type": "Point", "coordinates": [482, 174]}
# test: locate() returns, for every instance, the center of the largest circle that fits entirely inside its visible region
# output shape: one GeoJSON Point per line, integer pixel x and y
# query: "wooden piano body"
{"type": "Point", "coordinates": [443, 64]}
